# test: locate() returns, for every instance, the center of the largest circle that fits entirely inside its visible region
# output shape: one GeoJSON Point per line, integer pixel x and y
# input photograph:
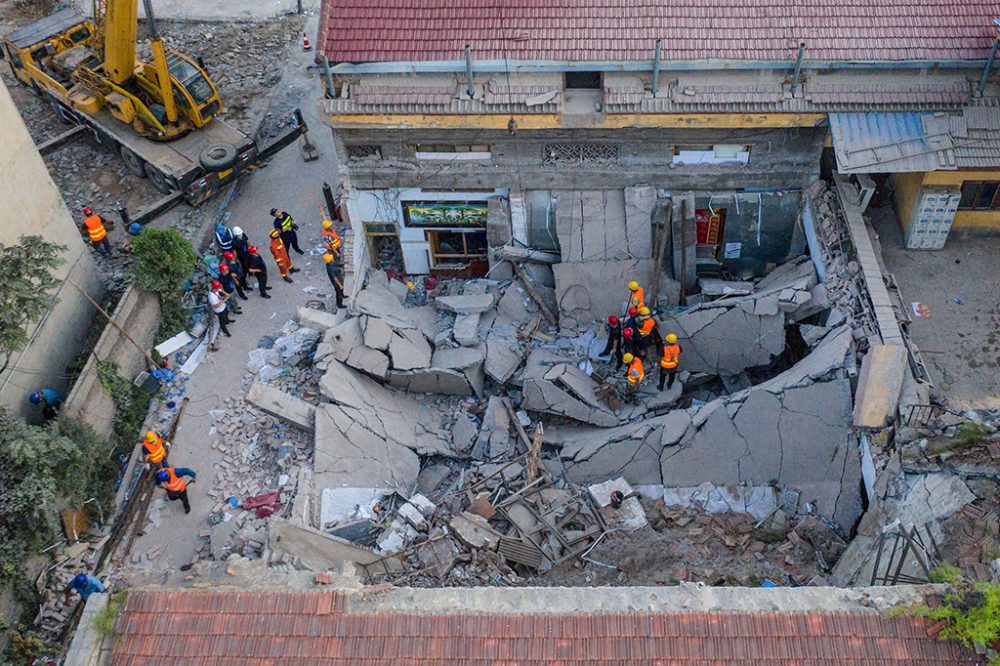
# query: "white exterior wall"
{"type": "Point", "coordinates": [386, 206]}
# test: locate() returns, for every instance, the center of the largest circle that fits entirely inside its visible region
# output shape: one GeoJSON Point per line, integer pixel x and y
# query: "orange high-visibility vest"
{"type": "Point", "coordinates": [174, 483]}
{"type": "Point", "coordinates": [635, 371]}
{"type": "Point", "coordinates": [155, 450]}
{"type": "Point", "coordinates": [332, 239]}
{"type": "Point", "coordinates": [636, 300]}
{"type": "Point", "coordinates": [671, 355]}
{"type": "Point", "coordinates": [95, 229]}
{"type": "Point", "coordinates": [646, 326]}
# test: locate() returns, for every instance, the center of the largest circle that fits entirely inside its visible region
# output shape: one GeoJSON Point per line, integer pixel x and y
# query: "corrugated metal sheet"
{"type": "Point", "coordinates": [888, 143]}
{"type": "Point", "coordinates": [576, 30]}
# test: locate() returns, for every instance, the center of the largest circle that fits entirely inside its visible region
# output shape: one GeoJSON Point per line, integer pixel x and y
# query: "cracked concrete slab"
{"type": "Point", "coordinates": [432, 380]}
{"type": "Point", "coordinates": [466, 329]}
{"type": "Point", "coordinates": [565, 390]}
{"type": "Point", "coordinates": [375, 332]}
{"type": "Point", "coordinates": [758, 501]}
{"type": "Point", "coordinates": [466, 303]}
{"type": "Point", "coordinates": [800, 440]}
{"type": "Point", "coordinates": [459, 358]}
{"type": "Point", "coordinates": [409, 350]}
{"type": "Point", "coordinates": [376, 300]}
{"type": "Point", "coordinates": [933, 497]}
{"type": "Point", "coordinates": [318, 319]}
{"type": "Point", "coordinates": [590, 291]}
{"type": "Point", "coordinates": [395, 416]}
{"type": "Point", "coordinates": [348, 455]}
{"type": "Point", "coordinates": [727, 340]}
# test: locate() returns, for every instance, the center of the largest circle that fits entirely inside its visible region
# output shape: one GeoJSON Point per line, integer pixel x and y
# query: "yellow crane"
{"type": "Point", "coordinates": [93, 65]}
{"type": "Point", "coordinates": [158, 115]}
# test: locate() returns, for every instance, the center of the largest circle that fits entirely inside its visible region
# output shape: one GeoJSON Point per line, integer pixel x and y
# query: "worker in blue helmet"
{"type": "Point", "coordinates": [85, 585]}
{"type": "Point", "coordinates": [50, 400]}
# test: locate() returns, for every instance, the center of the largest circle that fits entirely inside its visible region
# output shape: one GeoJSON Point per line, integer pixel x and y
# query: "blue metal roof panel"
{"type": "Point", "coordinates": [888, 143]}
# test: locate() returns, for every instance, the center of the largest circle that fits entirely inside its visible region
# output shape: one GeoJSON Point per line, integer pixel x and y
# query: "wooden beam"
{"type": "Point", "coordinates": [535, 296]}
{"type": "Point", "coordinates": [661, 247]}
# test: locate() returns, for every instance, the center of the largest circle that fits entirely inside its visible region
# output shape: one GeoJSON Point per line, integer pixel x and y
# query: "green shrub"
{"type": "Point", "coordinates": [945, 573]}
{"type": "Point", "coordinates": [972, 612]}
{"type": "Point", "coordinates": [165, 262]}
{"type": "Point", "coordinates": [104, 622]}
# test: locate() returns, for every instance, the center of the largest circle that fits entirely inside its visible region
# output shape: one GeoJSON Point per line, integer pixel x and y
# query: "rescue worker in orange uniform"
{"type": "Point", "coordinates": [176, 487]}
{"type": "Point", "coordinates": [668, 362]}
{"type": "Point", "coordinates": [98, 235]}
{"type": "Point", "coordinates": [332, 240]}
{"type": "Point", "coordinates": [280, 254]}
{"type": "Point", "coordinates": [635, 374]}
{"type": "Point", "coordinates": [155, 449]}
{"type": "Point", "coordinates": [635, 295]}
{"type": "Point", "coordinates": [649, 337]}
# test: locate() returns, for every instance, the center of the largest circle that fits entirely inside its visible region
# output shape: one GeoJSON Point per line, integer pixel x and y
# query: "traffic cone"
{"type": "Point", "coordinates": [306, 46]}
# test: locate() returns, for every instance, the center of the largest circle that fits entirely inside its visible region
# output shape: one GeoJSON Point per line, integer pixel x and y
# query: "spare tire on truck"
{"type": "Point", "coordinates": [218, 156]}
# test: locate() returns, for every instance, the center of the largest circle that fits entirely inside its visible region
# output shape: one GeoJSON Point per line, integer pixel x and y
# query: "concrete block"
{"type": "Point", "coordinates": [287, 407]}
{"type": "Point", "coordinates": [879, 385]}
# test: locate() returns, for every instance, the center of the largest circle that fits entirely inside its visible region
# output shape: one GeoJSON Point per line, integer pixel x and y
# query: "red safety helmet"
{"type": "Point", "coordinates": [627, 333]}
{"type": "Point", "coordinates": [228, 256]}
{"type": "Point", "coordinates": [612, 320]}
{"type": "Point", "coordinates": [224, 269]}
{"type": "Point", "coordinates": [216, 285]}
{"type": "Point", "coordinates": [632, 312]}
{"type": "Point", "coordinates": [88, 211]}
{"type": "Point", "coordinates": [252, 249]}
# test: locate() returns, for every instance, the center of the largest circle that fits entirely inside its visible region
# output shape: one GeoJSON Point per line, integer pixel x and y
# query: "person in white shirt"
{"type": "Point", "coordinates": [217, 301]}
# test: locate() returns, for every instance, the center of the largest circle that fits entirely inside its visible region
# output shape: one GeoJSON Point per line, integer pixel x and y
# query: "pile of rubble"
{"type": "Point", "coordinates": [67, 560]}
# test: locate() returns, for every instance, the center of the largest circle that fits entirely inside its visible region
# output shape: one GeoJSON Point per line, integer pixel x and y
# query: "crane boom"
{"type": "Point", "coordinates": [120, 24]}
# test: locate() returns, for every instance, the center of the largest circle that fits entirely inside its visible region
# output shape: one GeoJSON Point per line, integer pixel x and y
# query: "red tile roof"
{"type": "Point", "coordinates": [574, 30]}
{"type": "Point", "coordinates": [197, 628]}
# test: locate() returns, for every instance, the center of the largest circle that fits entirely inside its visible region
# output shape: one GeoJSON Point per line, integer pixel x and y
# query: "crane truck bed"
{"type": "Point", "coordinates": [190, 168]}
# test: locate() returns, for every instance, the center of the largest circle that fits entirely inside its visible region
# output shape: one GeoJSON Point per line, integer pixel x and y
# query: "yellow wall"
{"type": "Point", "coordinates": [989, 219]}
{"type": "Point", "coordinates": [906, 191]}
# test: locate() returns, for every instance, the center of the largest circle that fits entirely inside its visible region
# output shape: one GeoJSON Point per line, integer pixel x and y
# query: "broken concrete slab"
{"type": "Point", "coordinates": [320, 320]}
{"type": "Point", "coordinates": [466, 330]}
{"type": "Point", "coordinates": [432, 380]}
{"type": "Point", "coordinates": [879, 385]}
{"type": "Point", "coordinates": [933, 497]}
{"type": "Point", "coordinates": [629, 516]}
{"type": "Point", "coordinates": [431, 477]}
{"type": "Point", "coordinates": [427, 320]}
{"type": "Point", "coordinates": [589, 292]}
{"type": "Point", "coordinates": [463, 432]}
{"type": "Point", "coordinates": [465, 304]}
{"type": "Point", "coordinates": [349, 455]}
{"type": "Point", "coordinates": [376, 300]}
{"type": "Point", "coordinates": [474, 531]}
{"type": "Point", "coordinates": [348, 504]}
{"type": "Point", "coordinates": [566, 390]}
{"type": "Point", "coordinates": [409, 350]}
{"type": "Point", "coordinates": [258, 359]}
{"type": "Point", "coordinates": [387, 414]}
{"type": "Point", "coordinates": [502, 359]}
{"type": "Point", "coordinates": [758, 501]}
{"type": "Point", "coordinates": [317, 550]}
{"type": "Point", "coordinates": [812, 335]}
{"type": "Point", "coordinates": [727, 339]}
{"type": "Point", "coordinates": [375, 332]}
{"type": "Point", "coordinates": [277, 403]}
{"type": "Point", "coordinates": [459, 358]}
{"type": "Point", "coordinates": [399, 290]}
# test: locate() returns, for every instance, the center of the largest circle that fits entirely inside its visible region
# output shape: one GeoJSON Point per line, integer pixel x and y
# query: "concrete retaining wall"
{"type": "Point", "coordinates": [138, 312]}
{"type": "Point", "coordinates": [35, 207]}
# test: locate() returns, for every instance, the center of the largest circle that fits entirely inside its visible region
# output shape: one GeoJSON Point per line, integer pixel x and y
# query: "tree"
{"type": "Point", "coordinates": [27, 275]}
{"type": "Point", "coordinates": [166, 260]}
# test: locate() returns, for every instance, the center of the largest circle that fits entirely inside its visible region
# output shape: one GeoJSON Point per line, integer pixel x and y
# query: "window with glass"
{"type": "Point", "coordinates": [980, 195]}
{"type": "Point", "coordinates": [456, 245]}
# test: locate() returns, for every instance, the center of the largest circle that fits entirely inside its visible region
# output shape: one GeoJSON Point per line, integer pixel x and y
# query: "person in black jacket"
{"type": "Point", "coordinates": [257, 268]}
